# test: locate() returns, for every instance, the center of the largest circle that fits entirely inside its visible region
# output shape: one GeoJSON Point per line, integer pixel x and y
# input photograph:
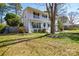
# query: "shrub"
{"type": "Point", "coordinates": [39, 30]}
{"type": "Point", "coordinates": [2, 28]}
{"type": "Point", "coordinates": [71, 27]}
{"type": "Point", "coordinates": [21, 24]}
{"type": "Point", "coordinates": [60, 25]}
{"type": "Point", "coordinates": [21, 29]}
{"type": "Point", "coordinates": [43, 30]}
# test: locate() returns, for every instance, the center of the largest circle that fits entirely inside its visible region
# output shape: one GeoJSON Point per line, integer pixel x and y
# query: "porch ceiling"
{"type": "Point", "coordinates": [39, 20]}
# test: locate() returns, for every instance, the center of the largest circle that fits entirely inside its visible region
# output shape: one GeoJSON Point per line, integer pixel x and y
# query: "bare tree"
{"type": "Point", "coordinates": [64, 19]}
{"type": "Point", "coordinates": [53, 10]}
{"type": "Point", "coordinates": [73, 17]}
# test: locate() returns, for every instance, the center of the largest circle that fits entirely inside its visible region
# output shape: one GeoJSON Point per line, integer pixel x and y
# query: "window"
{"type": "Point", "coordinates": [44, 24]}
{"type": "Point", "coordinates": [44, 16]}
{"type": "Point", "coordinates": [33, 25]}
{"type": "Point", "coordinates": [35, 15]}
{"type": "Point", "coordinates": [36, 25]}
{"type": "Point", "coordinates": [39, 25]}
{"type": "Point", "coordinates": [48, 25]}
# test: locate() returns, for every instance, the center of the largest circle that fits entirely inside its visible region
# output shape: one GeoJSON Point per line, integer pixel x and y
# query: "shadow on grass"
{"type": "Point", "coordinates": [72, 36]}
{"type": "Point", "coordinates": [13, 34]}
{"type": "Point", "coordinates": [15, 41]}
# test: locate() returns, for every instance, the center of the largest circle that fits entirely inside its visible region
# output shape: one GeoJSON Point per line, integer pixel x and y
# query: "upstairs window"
{"type": "Point", "coordinates": [35, 15]}
{"type": "Point", "coordinates": [44, 16]}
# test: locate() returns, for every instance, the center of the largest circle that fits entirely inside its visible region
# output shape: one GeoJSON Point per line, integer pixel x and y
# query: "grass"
{"type": "Point", "coordinates": [42, 46]}
{"type": "Point", "coordinates": [18, 36]}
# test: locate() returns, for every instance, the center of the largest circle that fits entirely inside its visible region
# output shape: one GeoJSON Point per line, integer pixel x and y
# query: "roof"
{"type": "Point", "coordinates": [35, 10]}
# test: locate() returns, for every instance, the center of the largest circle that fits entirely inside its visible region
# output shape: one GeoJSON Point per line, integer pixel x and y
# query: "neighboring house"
{"type": "Point", "coordinates": [35, 20]}
{"type": "Point", "coordinates": [67, 22]}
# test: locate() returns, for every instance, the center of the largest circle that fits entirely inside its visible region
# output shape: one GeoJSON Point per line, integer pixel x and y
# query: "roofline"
{"type": "Point", "coordinates": [35, 10]}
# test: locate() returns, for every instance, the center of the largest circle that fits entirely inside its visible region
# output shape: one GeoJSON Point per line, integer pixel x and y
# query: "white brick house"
{"type": "Point", "coordinates": [35, 20]}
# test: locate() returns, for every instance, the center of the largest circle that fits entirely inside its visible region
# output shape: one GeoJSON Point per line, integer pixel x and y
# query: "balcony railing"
{"type": "Point", "coordinates": [35, 16]}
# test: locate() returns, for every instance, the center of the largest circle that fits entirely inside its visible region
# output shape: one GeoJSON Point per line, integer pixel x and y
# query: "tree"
{"type": "Point", "coordinates": [73, 17]}
{"type": "Point", "coordinates": [12, 19]}
{"type": "Point", "coordinates": [17, 7]}
{"type": "Point", "coordinates": [60, 25]}
{"type": "Point", "coordinates": [61, 21]}
{"type": "Point", "coordinates": [53, 11]}
{"type": "Point", "coordinates": [64, 19]}
{"type": "Point", "coordinates": [3, 10]}
{"type": "Point", "coordinates": [2, 27]}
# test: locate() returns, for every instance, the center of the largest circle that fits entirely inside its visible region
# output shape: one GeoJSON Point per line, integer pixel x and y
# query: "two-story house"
{"type": "Point", "coordinates": [35, 20]}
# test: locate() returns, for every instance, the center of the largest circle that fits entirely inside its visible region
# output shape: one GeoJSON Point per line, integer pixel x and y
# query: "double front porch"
{"type": "Point", "coordinates": [39, 26]}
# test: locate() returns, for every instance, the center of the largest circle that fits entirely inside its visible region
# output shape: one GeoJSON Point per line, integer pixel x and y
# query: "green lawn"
{"type": "Point", "coordinates": [17, 36]}
{"type": "Point", "coordinates": [35, 45]}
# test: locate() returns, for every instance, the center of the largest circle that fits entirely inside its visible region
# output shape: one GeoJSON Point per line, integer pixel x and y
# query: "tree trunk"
{"type": "Point", "coordinates": [51, 8]}
{"type": "Point", "coordinates": [52, 25]}
{"type": "Point", "coordinates": [53, 17]}
{"type": "Point", "coordinates": [1, 19]}
{"type": "Point", "coordinates": [16, 11]}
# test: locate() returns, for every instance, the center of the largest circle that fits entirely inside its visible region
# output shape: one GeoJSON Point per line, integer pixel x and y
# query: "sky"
{"type": "Point", "coordinates": [72, 6]}
{"type": "Point", "coordinates": [34, 5]}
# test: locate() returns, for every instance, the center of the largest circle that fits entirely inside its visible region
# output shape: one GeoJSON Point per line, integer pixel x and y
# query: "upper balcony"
{"type": "Point", "coordinates": [37, 16]}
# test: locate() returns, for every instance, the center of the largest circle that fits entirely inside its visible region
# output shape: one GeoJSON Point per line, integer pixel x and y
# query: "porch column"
{"type": "Point", "coordinates": [56, 25]}
{"type": "Point", "coordinates": [30, 27]}
{"type": "Point", "coordinates": [46, 26]}
{"type": "Point", "coordinates": [41, 25]}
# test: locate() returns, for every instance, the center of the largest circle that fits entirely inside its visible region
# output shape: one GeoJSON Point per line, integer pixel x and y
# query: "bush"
{"type": "Point", "coordinates": [60, 25]}
{"type": "Point", "coordinates": [12, 19]}
{"type": "Point", "coordinates": [39, 30]}
{"type": "Point", "coordinates": [21, 24]}
{"type": "Point", "coordinates": [43, 30]}
{"type": "Point", "coordinates": [2, 28]}
{"type": "Point", "coordinates": [71, 27]}
{"type": "Point", "coordinates": [21, 29]}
